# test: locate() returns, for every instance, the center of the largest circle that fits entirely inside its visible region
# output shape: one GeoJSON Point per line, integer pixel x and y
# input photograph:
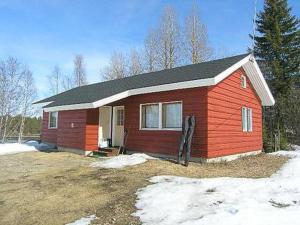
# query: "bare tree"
{"type": "Point", "coordinates": [135, 66]}
{"type": "Point", "coordinates": [55, 80]}
{"type": "Point", "coordinates": [28, 96]}
{"type": "Point", "coordinates": [79, 71]}
{"type": "Point", "coordinates": [196, 39]}
{"type": "Point", "coordinates": [116, 68]}
{"type": "Point", "coordinates": [11, 94]}
{"type": "Point", "coordinates": [67, 83]}
{"type": "Point", "coordinates": [151, 51]}
{"type": "Point", "coordinates": [169, 39]}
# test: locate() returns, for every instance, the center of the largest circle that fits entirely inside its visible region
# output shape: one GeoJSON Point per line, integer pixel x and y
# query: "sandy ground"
{"type": "Point", "coordinates": [59, 188]}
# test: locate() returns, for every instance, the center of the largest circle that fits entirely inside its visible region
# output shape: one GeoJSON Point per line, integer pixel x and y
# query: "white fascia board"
{"type": "Point", "coordinates": [138, 91]}
{"type": "Point", "coordinates": [173, 86]}
{"type": "Point", "coordinates": [110, 99]}
{"type": "Point", "coordinates": [69, 107]}
{"type": "Point", "coordinates": [231, 69]}
{"type": "Point", "coordinates": [264, 83]}
{"type": "Point", "coordinates": [42, 104]}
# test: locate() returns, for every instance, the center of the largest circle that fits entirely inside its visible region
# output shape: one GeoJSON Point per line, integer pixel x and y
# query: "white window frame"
{"type": "Point", "coordinates": [160, 116]}
{"type": "Point", "coordinates": [247, 119]}
{"type": "Point", "coordinates": [244, 81]}
{"type": "Point", "coordinates": [49, 124]}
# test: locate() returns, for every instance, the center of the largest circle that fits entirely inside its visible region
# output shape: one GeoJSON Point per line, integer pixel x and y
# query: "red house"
{"type": "Point", "coordinates": [225, 96]}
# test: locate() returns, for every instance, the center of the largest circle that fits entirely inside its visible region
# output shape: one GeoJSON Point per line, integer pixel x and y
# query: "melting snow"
{"type": "Point", "coordinates": [121, 161]}
{"type": "Point", "coordinates": [84, 220]}
{"type": "Point", "coordinates": [13, 148]}
{"type": "Point", "coordinates": [235, 201]}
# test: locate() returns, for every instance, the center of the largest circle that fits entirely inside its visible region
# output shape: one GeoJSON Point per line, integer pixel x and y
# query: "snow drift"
{"type": "Point", "coordinates": [121, 161]}
{"type": "Point", "coordinates": [235, 201]}
{"type": "Point", "coordinates": [13, 148]}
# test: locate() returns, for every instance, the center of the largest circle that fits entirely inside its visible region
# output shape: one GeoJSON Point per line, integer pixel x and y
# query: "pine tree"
{"type": "Point", "coordinates": [278, 46]}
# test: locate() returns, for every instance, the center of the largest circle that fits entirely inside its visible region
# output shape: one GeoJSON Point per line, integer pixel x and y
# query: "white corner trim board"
{"type": "Point", "coordinates": [248, 64]}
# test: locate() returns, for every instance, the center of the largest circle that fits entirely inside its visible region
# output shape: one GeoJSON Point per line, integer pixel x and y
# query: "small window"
{"type": "Point", "coordinates": [244, 81]}
{"type": "Point", "coordinates": [244, 119]}
{"type": "Point", "coordinates": [247, 119]}
{"type": "Point", "coordinates": [120, 117]}
{"type": "Point", "coordinates": [171, 115]}
{"type": "Point", "coordinates": [150, 116]}
{"type": "Point", "coordinates": [53, 119]}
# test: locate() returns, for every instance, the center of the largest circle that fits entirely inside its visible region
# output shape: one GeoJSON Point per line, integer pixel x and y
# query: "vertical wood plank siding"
{"type": "Point", "coordinates": [225, 101]}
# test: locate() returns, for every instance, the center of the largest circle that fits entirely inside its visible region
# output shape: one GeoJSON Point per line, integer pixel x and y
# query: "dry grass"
{"type": "Point", "coordinates": [58, 188]}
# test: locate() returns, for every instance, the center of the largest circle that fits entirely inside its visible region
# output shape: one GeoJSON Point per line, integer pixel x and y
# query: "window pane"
{"type": "Point", "coordinates": [53, 119]}
{"type": "Point", "coordinates": [244, 119]}
{"type": "Point", "coordinates": [244, 81]}
{"type": "Point", "coordinates": [249, 119]}
{"type": "Point", "coordinates": [120, 117]}
{"type": "Point", "coordinates": [171, 115]}
{"type": "Point", "coordinates": [150, 116]}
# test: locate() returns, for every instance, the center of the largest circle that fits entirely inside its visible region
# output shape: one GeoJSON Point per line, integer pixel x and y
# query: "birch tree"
{"type": "Point", "coordinates": [55, 80]}
{"type": "Point", "coordinates": [28, 96]}
{"type": "Point", "coordinates": [79, 71]}
{"type": "Point", "coordinates": [116, 68]}
{"type": "Point", "coordinates": [169, 39]}
{"type": "Point", "coordinates": [67, 83]}
{"type": "Point", "coordinates": [136, 66]}
{"type": "Point", "coordinates": [151, 56]}
{"type": "Point", "coordinates": [196, 39]}
{"type": "Point", "coordinates": [11, 94]}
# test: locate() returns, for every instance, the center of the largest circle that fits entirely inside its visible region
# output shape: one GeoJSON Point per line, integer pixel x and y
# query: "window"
{"type": "Point", "coordinates": [247, 119]}
{"type": "Point", "coordinates": [120, 117]}
{"type": "Point", "coordinates": [243, 81]}
{"type": "Point", "coordinates": [171, 115]}
{"type": "Point", "coordinates": [150, 116]}
{"type": "Point", "coordinates": [161, 116]}
{"type": "Point", "coordinates": [53, 119]}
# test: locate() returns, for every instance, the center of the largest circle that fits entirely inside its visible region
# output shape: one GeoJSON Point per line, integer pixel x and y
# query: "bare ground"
{"type": "Point", "coordinates": [59, 188]}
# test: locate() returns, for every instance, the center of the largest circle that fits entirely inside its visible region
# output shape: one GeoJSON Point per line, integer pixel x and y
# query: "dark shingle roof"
{"type": "Point", "coordinates": [93, 92]}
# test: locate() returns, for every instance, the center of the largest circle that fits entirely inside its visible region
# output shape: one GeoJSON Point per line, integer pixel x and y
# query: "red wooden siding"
{"type": "Point", "coordinates": [225, 101]}
{"type": "Point", "coordinates": [218, 130]}
{"type": "Point", "coordinates": [166, 142]}
{"type": "Point", "coordinates": [83, 135]}
{"type": "Point", "coordinates": [91, 130]}
{"type": "Point", "coordinates": [48, 135]}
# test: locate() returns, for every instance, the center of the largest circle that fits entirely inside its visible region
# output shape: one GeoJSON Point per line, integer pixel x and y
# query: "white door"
{"type": "Point", "coordinates": [104, 126]}
{"type": "Point", "coordinates": [118, 125]}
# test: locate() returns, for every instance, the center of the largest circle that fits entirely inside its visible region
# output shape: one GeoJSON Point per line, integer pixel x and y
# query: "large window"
{"type": "Point", "coordinates": [150, 116]}
{"type": "Point", "coordinates": [247, 119]}
{"type": "Point", "coordinates": [171, 115]}
{"type": "Point", "coordinates": [160, 116]}
{"type": "Point", "coordinates": [53, 119]}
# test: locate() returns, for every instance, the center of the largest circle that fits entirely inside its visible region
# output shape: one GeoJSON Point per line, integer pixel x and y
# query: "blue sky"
{"type": "Point", "coordinates": [45, 33]}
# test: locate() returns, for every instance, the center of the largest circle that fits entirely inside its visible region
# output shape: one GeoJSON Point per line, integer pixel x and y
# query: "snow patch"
{"type": "Point", "coordinates": [122, 161]}
{"type": "Point", "coordinates": [222, 201]}
{"type": "Point", "coordinates": [84, 220]}
{"type": "Point", "coordinates": [13, 148]}
{"type": "Point", "coordinates": [290, 154]}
